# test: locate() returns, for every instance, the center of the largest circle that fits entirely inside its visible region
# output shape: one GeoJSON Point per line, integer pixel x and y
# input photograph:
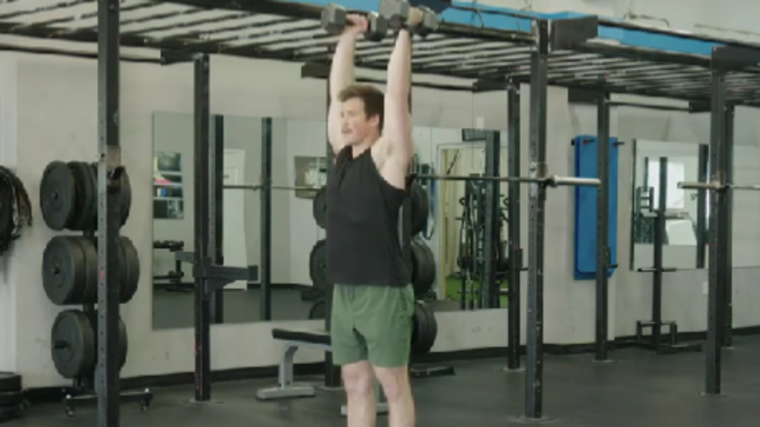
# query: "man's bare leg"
{"type": "Point", "coordinates": [398, 393]}
{"type": "Point", "coordinates": [360, 394]}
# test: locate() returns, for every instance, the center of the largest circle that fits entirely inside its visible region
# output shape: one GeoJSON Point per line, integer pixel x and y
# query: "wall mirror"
{"type": "Point", "coordinates": [663, 214]}
{"type": "Point", "coordinates": [238, 142]}
{"type": "Point", "coordinates": [462, 206]}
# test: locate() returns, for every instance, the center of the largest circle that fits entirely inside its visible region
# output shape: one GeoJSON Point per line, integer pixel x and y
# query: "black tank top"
{"type": "Point", "coordinates": [363, 242]}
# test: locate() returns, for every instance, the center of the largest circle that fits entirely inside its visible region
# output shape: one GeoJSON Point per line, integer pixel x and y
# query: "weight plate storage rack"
{"type": "Point", "coordinates": [70, 274]}
{"type": "Point", "coordinates": [510, 48]}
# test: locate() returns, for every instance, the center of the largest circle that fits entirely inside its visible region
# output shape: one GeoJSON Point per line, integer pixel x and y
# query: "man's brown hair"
{"type": "Point", "coordinates": [374, 100]}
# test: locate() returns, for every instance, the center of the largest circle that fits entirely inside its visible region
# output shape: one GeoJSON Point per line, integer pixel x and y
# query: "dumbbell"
{"type": "Point", "coordinates": [396, 13]}
{"type": "Point", "coordinates": [334, 21]}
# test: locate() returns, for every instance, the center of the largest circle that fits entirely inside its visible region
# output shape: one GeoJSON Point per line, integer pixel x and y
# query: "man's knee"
{"type": "Point", "coordinates": [395, 383]}
{"type": "Point", "coordinates": [357, 378]}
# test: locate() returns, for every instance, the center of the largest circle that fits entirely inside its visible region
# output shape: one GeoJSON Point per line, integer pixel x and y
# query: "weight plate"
{"type": "Point", "coordinates": [319, 207]}
{"type": "Point", "coordinates": [424, 329]}
{"type": "Point", "coordinates": [130, 270]}
{"type": "Point", "coordinates": [318, 265]}
{"type": "Point", "coordinates": [431, 332]}
{"type": "Point", "coordinates": [82, 196]}
{"type": "Point", "coordinates": [423, 268]}
{"type": "Point", "coordinates": [57, 195]}
{"type": "Point", "coordinates": [92, 213]}
{"type": "Point", "coordinates": [11, 398]}
{"type": "Point", "coordinates": [318, 310]}
{"type": "Point", "coordinates": [10, 381]}
{"type": "Point", "coordinates": [126, 197]}
{"type": "Point", "coordinates": [123, 338]}
{"type": "Point", "coordinates": [90, 252]}
{"type": "Point", "coordinates": [73, 344]}
{"type": "Point", "coordinates": [63, 271]}
{"type": "Point", "coordinates": [417, 328]}
{"type": "Point", "coordinates": [420, 208]}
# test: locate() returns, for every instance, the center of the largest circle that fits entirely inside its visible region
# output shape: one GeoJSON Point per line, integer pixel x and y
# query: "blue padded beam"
{"type": "Point", "coordinates": [585, 207]}
{"type": "Point", "coordinates": [493, 17]}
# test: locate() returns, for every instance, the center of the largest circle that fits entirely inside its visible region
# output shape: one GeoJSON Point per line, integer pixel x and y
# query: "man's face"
{"type": "Point", "coordinates": [355, 125]}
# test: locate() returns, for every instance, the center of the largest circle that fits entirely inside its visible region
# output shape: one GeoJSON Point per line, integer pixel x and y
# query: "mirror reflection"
{"type": "Point", "coordinates": [664, 215]}
{"type": "Point", "coordinates": [463, 224]}
{"type": "Point", "coordinates": [298, 282]}
{"type": "Point", "coordinates": [238, 142]}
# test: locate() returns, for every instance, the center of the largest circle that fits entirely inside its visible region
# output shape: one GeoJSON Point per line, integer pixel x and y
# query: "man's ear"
{"type": "Point", "coordinates": [375, 120]}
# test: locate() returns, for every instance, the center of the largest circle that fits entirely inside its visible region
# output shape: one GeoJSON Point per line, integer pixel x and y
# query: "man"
{"type": "Point", "coordinates": [373, 301]}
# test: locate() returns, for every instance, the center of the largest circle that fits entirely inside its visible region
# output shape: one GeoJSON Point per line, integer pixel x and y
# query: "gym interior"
{"type": "Point", "coordinates": [621, 282]}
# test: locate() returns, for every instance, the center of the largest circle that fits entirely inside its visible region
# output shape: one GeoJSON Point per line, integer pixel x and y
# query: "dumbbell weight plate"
{"type": "Point", "coordinates": [377, 29]}
{"type": "Point", "coordinates": [333, 19]}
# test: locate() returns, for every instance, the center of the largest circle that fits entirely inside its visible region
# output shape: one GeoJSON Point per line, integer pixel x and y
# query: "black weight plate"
{"type": "Point", "coordinates": [420, 208]}
{"type": "Point", "coordinates": [319, 207]}
{"type": "Point", "coordinates": [416, 261]}
{"type": "Point", "coordinates": [423, 268]}
{"type": "Point", "coordinates": [82, 196]}
{"type": "Point", "coordinates": [11, 398]}
{"type": "Point", "coordinates": [429, 273]}
{"type": "Point", "coordinates": [10, 382]}
{"type": "Point", "coordinates": [427, 329]}
{"type": "Point", "coordinates": [57, 195]}
{"type": "Point", "coordinates": [126, 197]}
{"type": "Point", "coordinates": [130, 270]}
{"type": "Point", "coordinates": [318, 265]}
{"type": "Point", "coordinates": [318, 310]}
{"type": "Point", "coordinates": [92, 215]}
{"type": "Point", "coordinates": [417, 325]}
{"type": "Point", "coordinates": [63, 271]}
{"type": "Point", "coordinates": [90, 252]}
{"type": "Point", "coordinates": [73, 344]}
{"type": "Point", "coordinates": [123, 338]}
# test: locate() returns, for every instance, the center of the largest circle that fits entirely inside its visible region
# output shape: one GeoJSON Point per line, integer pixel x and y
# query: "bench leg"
{"type": "Point", "coordinates": [381, 404]}
{"type": "Point", "coordinates": [285, 388]}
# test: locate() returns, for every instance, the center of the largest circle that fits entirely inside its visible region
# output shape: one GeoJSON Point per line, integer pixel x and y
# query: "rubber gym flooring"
{"type": "Point", "coordinates": [641, 389]}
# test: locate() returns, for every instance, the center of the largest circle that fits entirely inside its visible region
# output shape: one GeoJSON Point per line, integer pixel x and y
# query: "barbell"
{"type": "Point", "coordinates": [257, 187]}
{"type": "Point", "coordinates": [715, 186]}
{"type": "Point", "coordinates": [550, 180]}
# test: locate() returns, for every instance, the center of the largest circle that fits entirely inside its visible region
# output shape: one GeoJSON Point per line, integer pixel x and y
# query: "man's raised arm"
{"type": "Point", "coordinates": [342, 76]}
{"type": "Point", "coordinates": [398, 122]}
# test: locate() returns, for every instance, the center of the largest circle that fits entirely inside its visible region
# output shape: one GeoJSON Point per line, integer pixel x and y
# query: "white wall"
{"type": "Point", "coordinates": [59, 121]}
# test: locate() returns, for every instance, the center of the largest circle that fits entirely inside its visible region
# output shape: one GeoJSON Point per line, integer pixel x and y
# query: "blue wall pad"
{"type": "Point", "coordinates": [585, 207]}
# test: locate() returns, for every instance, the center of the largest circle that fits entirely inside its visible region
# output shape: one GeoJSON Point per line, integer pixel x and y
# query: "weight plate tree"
{"type": "Point", "coordinates": [71, 273]}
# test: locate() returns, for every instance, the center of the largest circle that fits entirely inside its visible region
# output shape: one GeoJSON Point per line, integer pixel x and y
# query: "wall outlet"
{"type": "Point", "coordinates": [480, 123]}
{"type": "Point", "coordinates": [704, 288]}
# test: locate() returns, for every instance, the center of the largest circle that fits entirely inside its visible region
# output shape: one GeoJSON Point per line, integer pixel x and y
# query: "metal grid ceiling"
{"type": "Point", "coordinates": [485, 54]}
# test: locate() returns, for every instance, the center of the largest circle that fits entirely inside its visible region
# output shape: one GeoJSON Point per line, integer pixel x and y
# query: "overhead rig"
{"type": "Point", "coordinates": [471, 43]}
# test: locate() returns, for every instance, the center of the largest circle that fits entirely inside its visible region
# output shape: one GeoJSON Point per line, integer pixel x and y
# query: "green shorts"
{"type": "Point", "coordinates": [372, 323]}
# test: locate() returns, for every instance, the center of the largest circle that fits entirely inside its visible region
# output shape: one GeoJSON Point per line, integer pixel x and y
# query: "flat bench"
{"type": "Point", "coordinates": [286, 388]}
